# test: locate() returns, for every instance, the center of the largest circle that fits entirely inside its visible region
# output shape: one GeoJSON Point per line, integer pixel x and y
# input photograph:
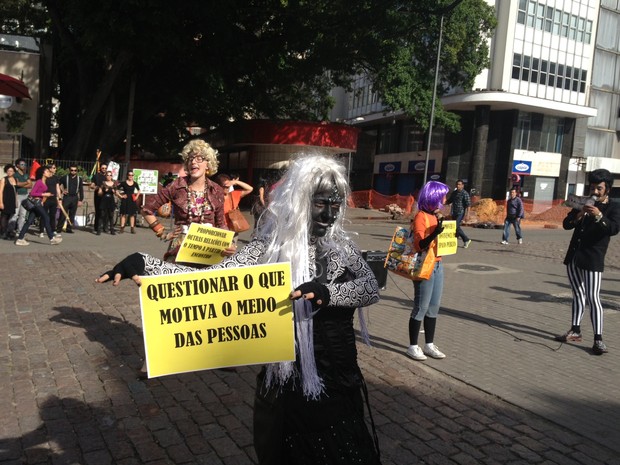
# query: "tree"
{"type": "Point", "coordinates": [207, 62]}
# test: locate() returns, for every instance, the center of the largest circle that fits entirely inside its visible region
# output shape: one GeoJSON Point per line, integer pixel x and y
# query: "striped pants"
{"type": "Point", "coordinates": [586, 285]}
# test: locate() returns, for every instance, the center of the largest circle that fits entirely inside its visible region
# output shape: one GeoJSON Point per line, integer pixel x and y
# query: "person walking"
{"type": "Point", "coordinates": [51, 202]}
{"type": "Point", "coordinates": [22, 184]}
{"type": "Point", "coordinates": [38, 194]}
{"type": "Point", "coordinates": [426, 226]}
{"type": "Point", "coordinates": [310, 411]}
{"type": "Point", "coordinates": [72, 196]}
{"type": "Point", "coordinates": [460, 201]}
{"type": "Point", "coordinates": [514, 214]}
{"type": "Point", "coordinates": [592, 225]}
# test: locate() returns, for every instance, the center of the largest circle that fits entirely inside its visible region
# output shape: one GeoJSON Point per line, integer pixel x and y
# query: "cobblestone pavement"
{"type": "Point", "coordinates": [506, 393]}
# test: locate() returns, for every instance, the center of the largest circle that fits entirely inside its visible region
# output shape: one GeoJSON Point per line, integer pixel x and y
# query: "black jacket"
{"type": "Point", "coordinates": [590, 240]}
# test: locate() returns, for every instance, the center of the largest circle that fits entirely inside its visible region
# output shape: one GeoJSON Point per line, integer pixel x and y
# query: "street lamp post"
{"type": "Point", "coordinates": [430, 127]}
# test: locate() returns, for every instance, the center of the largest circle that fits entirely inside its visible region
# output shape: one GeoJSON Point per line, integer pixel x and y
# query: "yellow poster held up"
{"type": "Point", "coordinates": [446, 241]}
{"type": "Point", "coordinates": [204, 244]}
{"type": "Point", "coordinates": [217, 318]}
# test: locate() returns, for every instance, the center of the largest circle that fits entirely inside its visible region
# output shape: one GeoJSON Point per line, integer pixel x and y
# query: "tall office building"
{"type": "Point", "coordinates": [540, 117]}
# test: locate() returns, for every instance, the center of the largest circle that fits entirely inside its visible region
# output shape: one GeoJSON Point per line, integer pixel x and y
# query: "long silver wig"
{"type": "Point", "coordinates": [287, 223]}
{"type": "Point", "coordinates": [286, 228]}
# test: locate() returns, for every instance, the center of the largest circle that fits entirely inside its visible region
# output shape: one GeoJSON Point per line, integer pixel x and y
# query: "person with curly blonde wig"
{"type": "Point", "coordinates": [194, 198]}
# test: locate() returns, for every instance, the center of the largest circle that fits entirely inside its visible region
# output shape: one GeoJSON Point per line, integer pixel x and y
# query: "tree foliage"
{"type": "Point", "coordinates": [207, 62]}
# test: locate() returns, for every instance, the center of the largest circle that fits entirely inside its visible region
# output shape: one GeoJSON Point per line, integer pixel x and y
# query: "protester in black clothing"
{"type": "Point", "coordinates": [96, 182]}
{"type": "Point", "coordinates": [129, 191]}
{"type": "Point", "coordinates": [72, 192]}
{"type": "Point", "coordinates": [8, 202]}
{"type": "Point", "coordinates": [593, 225]}
{"type": "Point", "coordinates": [107, 193]}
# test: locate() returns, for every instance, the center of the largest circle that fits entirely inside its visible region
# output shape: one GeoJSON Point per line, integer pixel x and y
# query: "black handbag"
{"type": "Point", "coordinates": [29, 203]}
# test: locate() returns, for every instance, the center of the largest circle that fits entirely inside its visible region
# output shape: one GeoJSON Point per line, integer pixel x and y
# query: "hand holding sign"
{"type": "Point", "coordinates": [205, 245]}
{"type": "Point", "coordinates": [218, 318]}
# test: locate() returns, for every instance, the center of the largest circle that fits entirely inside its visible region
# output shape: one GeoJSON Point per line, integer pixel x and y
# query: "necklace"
{"type": "Point", "coordinates": [197, 204]}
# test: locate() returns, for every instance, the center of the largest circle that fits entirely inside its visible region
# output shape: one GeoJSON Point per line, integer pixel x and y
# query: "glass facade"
{"type": "Point", "coordinates": [549, 19]}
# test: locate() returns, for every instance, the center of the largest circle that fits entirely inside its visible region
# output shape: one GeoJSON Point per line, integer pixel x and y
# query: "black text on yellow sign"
{"type": "Point", "coordinates": [211, 319]}
{"type": "Point", "coordinates": [204, 244]}
{"type": "Point", "coordinates": [446, 241]}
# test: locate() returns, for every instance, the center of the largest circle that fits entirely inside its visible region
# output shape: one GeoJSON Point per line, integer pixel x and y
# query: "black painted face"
{"type": "Point", "coordinates": [325, 210]}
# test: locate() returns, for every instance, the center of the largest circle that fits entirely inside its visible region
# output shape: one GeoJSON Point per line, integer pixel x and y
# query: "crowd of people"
{"type": "Point", "coordinates": [116, 204]}
{"type": "Point", "coordinates": [310, 410]}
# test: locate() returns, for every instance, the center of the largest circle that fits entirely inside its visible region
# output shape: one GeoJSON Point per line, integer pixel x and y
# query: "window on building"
{"type": "Point", "coordinates": [552, 134]}
{"type": "Point", "coordinates": [540, 16]}
{"type": "Point", "coordinates": [413, 138]}
{"type": "Point", "coordinates": [523, 131]}
{"type": "Point", "coordinates": [388, 139]}
{"type": "Point", "coordinates": [548, 73]}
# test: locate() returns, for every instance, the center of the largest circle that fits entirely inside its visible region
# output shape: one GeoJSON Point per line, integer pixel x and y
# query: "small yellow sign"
{"type": "Point", "coordinates": [446, 241]}
{"type": "Point", "coordinates": [204, 244]}
{"type": "Point", "coordinates": [217, 318]}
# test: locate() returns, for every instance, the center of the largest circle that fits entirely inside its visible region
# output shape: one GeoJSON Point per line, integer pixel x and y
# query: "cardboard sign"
{"type": "Point", "coordinates": [217, 318]}
{"type": "Point", "coordinates": [204, 244]}
{"type": "Point", "coordinates": [115, 168]}
{"type": "Point", "coordinates": [446, 241]}
{"type": "Point", "coordinates": [147, 180]}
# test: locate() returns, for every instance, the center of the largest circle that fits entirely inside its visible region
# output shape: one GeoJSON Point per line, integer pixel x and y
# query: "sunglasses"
{"type": "Point", "coordinates": [73, 171]}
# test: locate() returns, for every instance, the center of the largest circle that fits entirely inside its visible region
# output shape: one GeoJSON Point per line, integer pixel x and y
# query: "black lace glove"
{"type": "Point", "coordinates": [424, 243]}
{"type": "Point", "coordinates": [129, 267]}
{"type": "Point", "coordinates": [321, 294]}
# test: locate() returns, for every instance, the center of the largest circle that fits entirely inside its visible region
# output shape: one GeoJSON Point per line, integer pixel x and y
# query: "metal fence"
{"type": "Point", "coordinates": [85, 168]}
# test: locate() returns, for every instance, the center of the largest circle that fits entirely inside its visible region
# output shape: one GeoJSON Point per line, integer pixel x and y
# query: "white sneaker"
{"type": "Point", "coordinates": [41, 234]}
{"type": "Point", "coordinates": [22, 242]}
{"type": "Point", "coordinates": [55, 240]}
{"type": "Point", "coordinates": [505, 242]}
{"type": "Point", "coordinates": [416, 353]}
{"type": "Point", "coordinates": [432, 351]}
{"type": "Point", "coordinates": [520, 241]}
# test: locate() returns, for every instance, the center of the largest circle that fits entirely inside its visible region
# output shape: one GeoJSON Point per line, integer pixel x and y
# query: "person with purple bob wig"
{"type": "Point", "coordinates": [425, 227]}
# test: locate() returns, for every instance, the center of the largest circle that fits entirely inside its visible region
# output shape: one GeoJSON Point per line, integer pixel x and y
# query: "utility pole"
{"type": "Point", "coordinates": [430, 126]}
{"type": "Point", "coordinates": [442, 12]}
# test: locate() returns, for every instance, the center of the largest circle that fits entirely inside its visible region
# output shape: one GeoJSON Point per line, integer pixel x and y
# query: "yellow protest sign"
{"type": "Point", "coordinates": [446, 241]}
{"type": "Point", "coordinates": [204, 244]}
{"type": "Point", "coordinates": [217, 318]}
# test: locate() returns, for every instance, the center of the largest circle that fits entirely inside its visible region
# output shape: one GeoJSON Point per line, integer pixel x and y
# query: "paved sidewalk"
{"type": "Point", "coordinates": [506, 394]}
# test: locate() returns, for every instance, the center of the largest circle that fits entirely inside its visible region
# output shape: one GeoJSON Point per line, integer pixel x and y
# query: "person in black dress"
{"type": "Point", "coordinates": [8, 202]}
{"type": "Point", "coordinates": [129, 191]}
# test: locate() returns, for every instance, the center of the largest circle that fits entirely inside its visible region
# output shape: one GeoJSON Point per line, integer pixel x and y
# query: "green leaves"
{"type": "Point", "coordinates": [206, 62]}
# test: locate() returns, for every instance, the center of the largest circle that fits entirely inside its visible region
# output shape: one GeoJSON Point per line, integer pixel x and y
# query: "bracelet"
{"type": "Point", "coordinates": [158, 230]}
{"type": "Point", "coordinates": [153, 224]}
